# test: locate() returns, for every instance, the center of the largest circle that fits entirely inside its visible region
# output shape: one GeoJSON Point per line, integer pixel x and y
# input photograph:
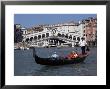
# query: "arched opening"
{"type": "Point", "coordinates": [31, 38]}
{"type": "Point", "coordinates": [39, 36]}
{"type": "Point", "coordinates": [27, 40]}
{"type": "Point", "coordinates": [35, 37]}
{"type": "Point", "coordinates": [70, 37]}
{"type": "Point", "coordinates": [63, 35]}
{"type": "Point", "coordinates": [47, 34]}
{"type": "Point", "coordinates": [43, 35]}
{"type": "Point", "coordinates": [59, 34]}
{"type": "Point", "coordinates": [66, 36]}
{"type": "Point", "coordinates": [74, 38]}
{"type": "Point", "coordinates": [78, 38]}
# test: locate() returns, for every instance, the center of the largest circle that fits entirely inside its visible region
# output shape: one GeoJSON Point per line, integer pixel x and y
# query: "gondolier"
{"type": "Point", "coordinates": [83, 43]}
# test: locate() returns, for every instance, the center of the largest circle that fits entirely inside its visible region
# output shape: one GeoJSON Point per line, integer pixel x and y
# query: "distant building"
{"type": "Point", "coordinates": [90, 31]}
{"type": "Point", "coordinates": [17, 33]}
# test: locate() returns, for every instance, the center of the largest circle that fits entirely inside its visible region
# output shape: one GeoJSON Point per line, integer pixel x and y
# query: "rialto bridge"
{"type": "Point", "coordinates": [51, 36]}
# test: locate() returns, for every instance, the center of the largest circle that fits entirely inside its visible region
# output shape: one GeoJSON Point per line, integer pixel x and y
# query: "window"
{"type": "Point", "coordinates": [31, 38]}
{"type": "Point", "coordinates": [63, 35]}
{"type": "Point", "coordinates": [66, 36]}
{"type": "Point", "coordinates": [35, 37]}
{"type": "Point", "coordinates": [47, 34]}
{"type": "Point", "coordinates": [78, 38]}
{"type": "Point", "coordinates": [39, 36]}
{"type": "Point", "coordinates": [43, 35]}
{"type": "Point", "coordinates": [70, 37]}
{"type": "Point", "coordinates": [27, 39]}
{"type": "Point", "coordinates": [74, 38]}
{"type": "Point", "coordinates": [59, 34]}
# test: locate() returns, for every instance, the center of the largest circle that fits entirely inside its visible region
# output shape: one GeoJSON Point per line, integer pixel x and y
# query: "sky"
{"type": "Point", "coordinates": [29, 20]}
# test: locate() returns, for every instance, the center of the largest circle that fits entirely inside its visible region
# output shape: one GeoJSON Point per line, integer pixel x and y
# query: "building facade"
{"type": "Point", "coordinates": [17, 33]}
{"type": "Point", "coordinates": [91, 31]}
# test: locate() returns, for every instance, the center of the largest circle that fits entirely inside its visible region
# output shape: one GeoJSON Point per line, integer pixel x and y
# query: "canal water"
{"type": "Point", "coordinates": [24, 63]}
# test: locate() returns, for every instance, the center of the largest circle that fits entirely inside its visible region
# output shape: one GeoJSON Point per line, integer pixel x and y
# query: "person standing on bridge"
{"type": "Point", "coordinates": [83, 43]}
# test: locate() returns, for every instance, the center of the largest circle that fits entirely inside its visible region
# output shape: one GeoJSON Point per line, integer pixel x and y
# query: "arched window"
{"type": "Point", "coordinates": [39, 36]}
{"type": "Point", "coordinates": [47, 34]}
{"type": "Point", "coordinates": [70, 37]}
{"type": "Point", "coordinates": [74, 38]}
{"type": "Point", "coordinates": [66, 36]}
{"type": "Point", "coordinates": [27, 40]}
{"type": "Point", "coordinates": [35, 37]}
{"type": "Point", "coordinates": [59, 34]}
{"type": "Point", "coordinates": [31, 38]}
{"type": "Point", "coordinates": [78, 38]}
{"type": "Point", "coordinates": [43, 35]}
{"type": "Point", "coordinates": [63, 35]}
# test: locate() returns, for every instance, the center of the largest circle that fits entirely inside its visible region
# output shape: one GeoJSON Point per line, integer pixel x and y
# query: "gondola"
{"type": "Point", "coordinates": [57, 61]}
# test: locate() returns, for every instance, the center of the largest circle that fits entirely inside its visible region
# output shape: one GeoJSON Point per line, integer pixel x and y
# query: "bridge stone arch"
{"type": "Point", "coordinates": [47, 34]}
{"type": "Point", "coordinates": [78, 38]}
{"type": "Point", "coordinates": [35, 37]}
{"type": "Point", "coordinates": [63, 35]}
{"type": "Point", "coordinates": [31, 38]}
{"type": "Point", "coordinates": [59, 35]}
{"type": "Point", "coordinates": [27, 40]}
{"type": "Point", "coordinates": [39, 36]}
{"type": "Point", "coordinates": [70, 37]}
{"type": "Point", "coordinates": [74, 38]}
{"type": "Point", "coordinates": [66, 36]}
{"type": "Point", "coordinates": [43, 35]}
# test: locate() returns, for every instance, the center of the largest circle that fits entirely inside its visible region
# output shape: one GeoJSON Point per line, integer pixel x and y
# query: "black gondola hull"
{"type": "Point", "coordinates": [55, 62]}
{"type": "Point", "coordinates": [58, 61]}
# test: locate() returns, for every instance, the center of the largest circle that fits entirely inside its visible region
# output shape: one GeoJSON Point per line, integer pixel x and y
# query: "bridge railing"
{"type": "Point", "coordinates": [55, 37]}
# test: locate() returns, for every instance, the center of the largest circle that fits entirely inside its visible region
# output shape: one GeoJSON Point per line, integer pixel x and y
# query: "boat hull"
{"type": "Point", "coordinates": [59, 60]}
{"type": "Point", "coordinates": [54, 62]}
